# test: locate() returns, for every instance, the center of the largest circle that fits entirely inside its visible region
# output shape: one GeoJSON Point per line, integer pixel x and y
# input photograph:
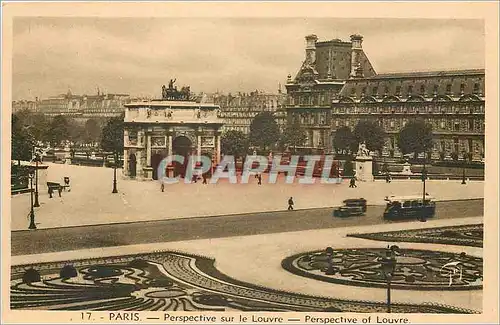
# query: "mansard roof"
{"type": "Point", "coordinates": [418, 86]}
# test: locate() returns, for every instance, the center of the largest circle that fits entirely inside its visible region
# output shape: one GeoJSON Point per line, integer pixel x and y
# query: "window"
{"type": "Point", "coordinates": [471, 125]}
{"type": "Point", "coordinates": [374, 91]}
{"type": "Point", "coordinates": [476, 88]}
{"type": "Point", "coordinates": [436, 88]}
{"type": "Point", "coordinates": [386, 90]}
{"type": "Point", "coordinates": [398, 90]}
{"type": "Point", "coordinates": [443, 124]}
{"type": "Point", "coordinates": [410, 90]}
{"type": "Point", "coordinates": [448, 88]}
{"type": "Point", "coordinates": [422, 90]}
{"type": "Point", "coordinates": [462, 88]}
{"type": "Point", "coordinates": [457, 126]}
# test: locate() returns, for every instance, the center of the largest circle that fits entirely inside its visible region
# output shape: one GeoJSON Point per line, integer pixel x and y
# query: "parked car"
{"type": "Point", "coordinates": [351, 207]}
{"type": "Point", "coordinates": [409, 207]}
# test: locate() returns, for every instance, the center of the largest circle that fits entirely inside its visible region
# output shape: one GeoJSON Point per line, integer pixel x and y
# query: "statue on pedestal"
{"type": "Point", "coordinates": [363, 151]}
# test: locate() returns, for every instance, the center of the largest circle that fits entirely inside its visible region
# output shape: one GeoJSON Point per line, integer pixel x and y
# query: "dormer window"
{"type": "Point", "coordinates": [448, 89]}
{"type": "Point", "coordinates": [386, 90]}
{"type": "Point", "coordinates": [422, 90]}
{"type": "Point", "coordinates": [476, 88]}
{"type": "Point", "coordinates": [398, 90]}
{"type": "Point", "coordinates": [462, 88]}
{"type": "Point", "coordinates": [436, 88]}
{"type": "Point", "coordinates": [410, 90]}
{"type": "Point", "coordinates": [374, 91]}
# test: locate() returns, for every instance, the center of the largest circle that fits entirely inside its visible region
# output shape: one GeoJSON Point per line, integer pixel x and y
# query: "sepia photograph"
{"type": "Point", "coordinates": [249, 167]}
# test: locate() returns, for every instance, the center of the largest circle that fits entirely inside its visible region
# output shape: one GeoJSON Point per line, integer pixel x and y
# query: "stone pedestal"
{"type": "Point", "coordinates": [406, 169]}
{"type": "Point", "coordinates": [148, 173]}
{"type": "Point", "coordinates": [364, 168]}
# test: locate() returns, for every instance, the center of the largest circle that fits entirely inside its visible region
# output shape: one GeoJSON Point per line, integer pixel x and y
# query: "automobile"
{"type": "Point", "coordinates": [351, 207]}
{"type": "Point", "coordinates": [409, 207]}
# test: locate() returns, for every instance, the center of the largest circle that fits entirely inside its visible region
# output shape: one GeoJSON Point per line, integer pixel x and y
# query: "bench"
{"type": "Point", "coordinates": [54, 186]}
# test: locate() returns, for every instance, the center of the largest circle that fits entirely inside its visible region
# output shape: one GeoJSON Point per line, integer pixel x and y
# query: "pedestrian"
{"type": "Point", "coordinates": [290, 203]}
{"type": "Point", "coordinates": [59, 189]}
{"type": "Point", "coordinates": [204, 179]}
{"type": "Point", "coordinates": [387, 178]}
{"type": "Point", "coordinates": [259, 179]}
{"type": "Point", "coordinates": [194, 179]}
{"type": "Point", "coordinates": [353, 182]}
{"type": "Point", "coordinates": [162, 187]}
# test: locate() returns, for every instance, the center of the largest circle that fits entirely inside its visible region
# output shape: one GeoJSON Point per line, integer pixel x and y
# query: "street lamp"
{"type": "Point", "coordinates": [32, 225]}
{"type": "Point", "coordinates": [463, 171]}
{"type": "Point", "coordinates": [423, 217]}
{"type": "Point", "coordinates": [114, 174]}
{"type": "Point", "coordinates": [388, 265]}
{"type": "Point", "coordinates": [36, 204]}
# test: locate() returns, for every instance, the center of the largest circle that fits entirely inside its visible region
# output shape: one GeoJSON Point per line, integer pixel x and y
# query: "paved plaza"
{"type": "Point", "coordinates": [91, 202]}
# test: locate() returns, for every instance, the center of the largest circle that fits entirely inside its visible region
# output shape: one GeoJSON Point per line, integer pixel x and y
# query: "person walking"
{"type": "Point", "coordinates": [387, 177]}
{"type": "Point", "coordinates": [353, 182]}
{"type": "Point", "coordinates": [259, 178]}
{"type": "Point", "coordinates": [204, 179]}
{"type": "Point", "coordinates": [162, 187]}
{"type": "Point", "coordinates": [290, 203]}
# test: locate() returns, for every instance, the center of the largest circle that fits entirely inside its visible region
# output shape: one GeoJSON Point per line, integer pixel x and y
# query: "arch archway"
{"type": "Point", "coordinates": [132, 164]}
{"type": "Point", "coordinates": [181, 146]}
{"type": "Point", "coordinates": [156, 159]}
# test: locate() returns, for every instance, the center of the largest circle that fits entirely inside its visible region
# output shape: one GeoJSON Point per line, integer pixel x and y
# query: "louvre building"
{"type": "Point", "coordinates": [337, 86]}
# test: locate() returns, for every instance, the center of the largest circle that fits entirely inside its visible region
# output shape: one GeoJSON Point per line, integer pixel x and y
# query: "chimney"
{"type": "Point", "coordinates": [311, 49]}
{"type": "Point", "coordinates": [356, 48]}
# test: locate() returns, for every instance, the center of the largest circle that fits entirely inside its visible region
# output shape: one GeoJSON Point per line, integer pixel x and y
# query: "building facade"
{"type": "Point", "coordinates": [84, 106]}
{"type": "Point", "coordinates": [451, 101]}
{"type": "Point", "coordinates": [238, 111]}
{"type": "Point", "coordinates": [337, 86]}
{"type": "Point", "coordinates": [21, 105]}
{"type": "Point", "coordinates": [173, 125]}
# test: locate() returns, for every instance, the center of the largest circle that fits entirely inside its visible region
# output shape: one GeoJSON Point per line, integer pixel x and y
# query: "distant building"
{"type": "Point", "coordinates": [238, 111]}
{"type": "Point", "coordinates": [20, 105]}
{"type": "Point", "coordinates": [337, 86]}
{"type": "Point", "coordinates": [84, 106]}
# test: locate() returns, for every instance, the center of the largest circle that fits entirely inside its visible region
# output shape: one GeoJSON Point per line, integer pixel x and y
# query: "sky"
{"type": "Point", "coordinates": [138, 55]}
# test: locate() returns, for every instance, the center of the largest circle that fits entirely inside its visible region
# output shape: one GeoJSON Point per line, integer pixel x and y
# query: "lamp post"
{"type": "Point", "coordinates": [32, 225]}
{"type": "Point", "coordinates": [388, 265]}
{"type": "Point", "coordinates": [36, 204]}
{"type": "Point", "coordinates": [423, 217]}
{"type": "Point", "coordinates": [463, 170]}
{"type": "Point", "coordinates": [114, 174]}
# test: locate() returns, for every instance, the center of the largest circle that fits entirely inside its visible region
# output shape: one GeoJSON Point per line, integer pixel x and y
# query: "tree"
{"type": "Point", "coordinates": [344, 140]}
{"type": "Point", "coordinates": [293, 135]}
{"type": "Point", "coordinates": [234, 143]}
{"type": "Point", "coordinates": [415, 137]}
{"type": "Point", "coordinates": [112, 136]}
{"type": "Point", "coordinates": [92, 131]}
{"type": "Point", "coordinates": [59, 130]}
{"type": "Point", "coordinates": [264, 131]}
{"type": "Point", "coordinates": [22, 140]}
{"type": "Point", "coordinates": [112, 140]}
{"type": "Point", "coordinates": [370, 133]}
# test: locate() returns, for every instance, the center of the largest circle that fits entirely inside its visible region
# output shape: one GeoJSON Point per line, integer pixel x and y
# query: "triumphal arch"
{"type": "Point", "coordinates": [173, 125]}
